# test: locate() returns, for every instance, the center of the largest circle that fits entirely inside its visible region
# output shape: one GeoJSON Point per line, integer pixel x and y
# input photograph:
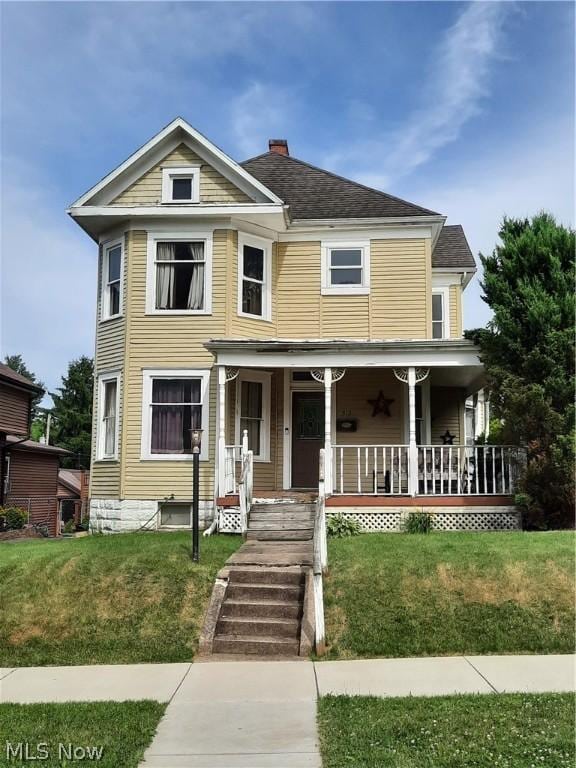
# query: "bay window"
{"type": "Point", "coordinates": [107, 427]}
{"type": "Point", "coordinates": [254, 271]}
{"type": "Point", "coordinates": [175, 404]}
{"type": "Point", "coordinates": [110, 305]}
{"type": "Point", "coordinates": [440, 328]}
{"type": "Point", "coordinates": [179, 274]}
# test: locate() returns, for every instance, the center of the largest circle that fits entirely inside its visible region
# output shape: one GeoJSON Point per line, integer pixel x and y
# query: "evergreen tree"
{"type": "Point", "coordinates": [72, 413]}
{"type": "Point", "coordinates": [528, 352]}
{"type": "Point", "coordinates": [19, 366]}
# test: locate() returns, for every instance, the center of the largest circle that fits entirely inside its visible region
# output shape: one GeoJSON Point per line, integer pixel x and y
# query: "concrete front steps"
{"type": "Point", "coordinates": [261, 612]}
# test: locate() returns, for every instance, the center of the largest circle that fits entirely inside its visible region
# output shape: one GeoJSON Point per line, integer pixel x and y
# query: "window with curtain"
{"type": "Point", "coordinates": [251, 414]}
{"type": "Point", "coordinates": [180, 275]}
{"type": "Point", "coordinates": [345, 266]}
{"type": "Point", "coordinates": [176, 409]}
{"type": "Point", "coordinates": [110, 392]}
{"type": "Point", "coordinates": [437, 316]}
{"type": "Point", "coordinates": [112, 273]}
{"type": "Point", "coordinates": [253, 280]}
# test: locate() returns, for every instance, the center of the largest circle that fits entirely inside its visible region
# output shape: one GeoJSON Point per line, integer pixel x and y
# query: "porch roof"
{"type": "Point", "coordinates": [457, 360]}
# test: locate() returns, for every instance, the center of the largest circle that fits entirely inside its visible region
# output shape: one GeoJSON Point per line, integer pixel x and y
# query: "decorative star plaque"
{"type": "Point", "coordinates": [448, 438]}
{"type": "Point", "coordinates": [380, 404]}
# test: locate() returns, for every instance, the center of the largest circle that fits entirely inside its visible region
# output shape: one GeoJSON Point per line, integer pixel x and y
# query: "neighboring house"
{"type": "Point", "coordinates": [29, 470]}
{"type": "Point", "coordinates": [278, 299]}
{"type": "Point", "coordinates": [72, 495]}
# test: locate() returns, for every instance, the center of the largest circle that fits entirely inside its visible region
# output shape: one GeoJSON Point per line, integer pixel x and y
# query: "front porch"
{"type": "Point", "coordinates": [395, 436]}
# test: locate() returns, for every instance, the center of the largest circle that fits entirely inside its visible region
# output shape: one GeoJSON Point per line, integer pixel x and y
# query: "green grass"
{"type": "Point", "coordinates": [450, 593]}
{"type": "Point", "coordinates": [123, 731]}
{"type": "Point", "coordinates": [119, 599]}
{"type": "Point", "coordinates": [482, 731]}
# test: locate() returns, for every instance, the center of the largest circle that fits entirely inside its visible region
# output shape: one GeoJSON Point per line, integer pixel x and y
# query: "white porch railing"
{"type": "Point", "coordinates": [245, 486]}
{"type": "Point", "coordinates": [232, 454]}
{"type": "Point", "coordinates": [441, 470]}
{"type": "Point", "coordinates": [480, 470]}
{"type": "Point", "coordinates": [381, 470]}
{"type": "Point", "coordinates": [320, 559]}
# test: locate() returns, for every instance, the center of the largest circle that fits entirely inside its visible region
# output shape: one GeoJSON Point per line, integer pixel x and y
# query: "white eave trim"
{"type": "Point", "coordinates": [192, 209]}
{"type": "Point", "coordinates": [191, 133]}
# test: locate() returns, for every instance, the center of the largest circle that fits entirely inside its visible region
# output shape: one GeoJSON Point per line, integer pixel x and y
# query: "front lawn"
{"type": "Point", "coordinates": [484, 731]}
{"type": "Point", "coordinates": [450, 593]}
{"type": "Point", "coordinates": [55, 732]}
{"type": "Point", "coordinates": [120, 599]}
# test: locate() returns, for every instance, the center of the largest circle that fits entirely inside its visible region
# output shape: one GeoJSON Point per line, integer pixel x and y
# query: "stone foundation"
{"type": "Point", "coordinates": [124, 515]}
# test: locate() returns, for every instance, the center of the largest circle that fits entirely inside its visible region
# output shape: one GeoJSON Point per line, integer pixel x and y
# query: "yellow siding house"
{"type": "Point", "coordinates": [281, 310]}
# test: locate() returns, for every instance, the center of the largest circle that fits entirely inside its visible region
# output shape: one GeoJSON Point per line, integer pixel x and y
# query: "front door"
{"type": "Point", "coordinates": [307, 437]}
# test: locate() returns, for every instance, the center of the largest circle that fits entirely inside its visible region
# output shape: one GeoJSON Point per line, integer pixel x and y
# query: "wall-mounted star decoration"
{"type": "Point", "coordinates": [448, 438]}
{"type": "Point", "coordinates": [380, 404]}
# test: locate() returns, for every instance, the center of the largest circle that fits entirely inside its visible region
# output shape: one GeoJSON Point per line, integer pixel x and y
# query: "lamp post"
{"type": "Point", "coordinates": [196, 443]}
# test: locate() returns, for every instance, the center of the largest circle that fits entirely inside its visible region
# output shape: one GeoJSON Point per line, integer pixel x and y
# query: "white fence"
{"type": "Point", "coordinates": [442, 470]}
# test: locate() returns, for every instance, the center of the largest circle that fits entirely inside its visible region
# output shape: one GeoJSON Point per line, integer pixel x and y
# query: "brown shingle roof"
{"type": "Point", "coordinates": [452, 249]}
{"type": "Point", "coordinates": [12, 377]}
{"type": "Point", "coordinates": [15, 443]}
{"type": "Point", "coordinates": [313, 193]}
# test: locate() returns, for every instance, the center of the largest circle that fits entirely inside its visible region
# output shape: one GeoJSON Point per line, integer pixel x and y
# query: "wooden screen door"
{"type": "Point", "coordinates": [307, 437]}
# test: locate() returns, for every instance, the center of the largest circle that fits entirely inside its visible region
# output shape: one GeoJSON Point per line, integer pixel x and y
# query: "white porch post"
{"type": "Point", "coordinates": [412, 447]}
{"type": "Point", "coordinates": [328, 430]}
{"type": "Point", "coordinates": [221, 457]}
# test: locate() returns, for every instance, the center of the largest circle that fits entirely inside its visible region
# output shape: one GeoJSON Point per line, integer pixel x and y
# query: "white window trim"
{"type": "Point", "coordinates": [108, 246]}
{"type": "Point", "coordinates": [184, 172]}
{"type": "Point", "coordinates": [264, 378]}
{"type": "Point", "coordinates": [148, 374]}
{"type": "Point", "coordinates": [443, 291]}
{"type": "Point", "coordinates": [327, 289]}
{"type": "Point", "coordinates": [266, 246]}
{"type": "Point", "coordinates": [103, 379]}
{"type": "Point", "coordinates": [181, 236]}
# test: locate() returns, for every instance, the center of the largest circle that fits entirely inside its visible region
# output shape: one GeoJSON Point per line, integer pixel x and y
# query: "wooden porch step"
{"type": "Point", "coordinates": [285, 534]}
{"type": "Point", "coordinates": [257, 514]}
{"type": "Point", "coordinates": [285, 609]}
{"type": "Point", "coordinates": [262, 646]}
{"type": "Point", "coordinates": [259, 507]}
{"type": "Point", "coordinates": [258, 627]}
{"type": "Point", "coordinates": [280, 525]}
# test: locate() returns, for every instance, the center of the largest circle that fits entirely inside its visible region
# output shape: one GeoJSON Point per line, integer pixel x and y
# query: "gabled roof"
{"type": "Point", "coordinates": [148, 154]}
{"type": "Point", "coordinates": [71, 479]}
{"type": "Point", "coordinates": [313, 193]}
{"type": "Point", "coordinates": [452, 249]}
{"type": "Point", "coordinates": [17, 380]}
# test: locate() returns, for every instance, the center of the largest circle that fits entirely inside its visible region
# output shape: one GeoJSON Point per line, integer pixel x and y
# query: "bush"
{"type": "Point", "coordinates": [339, 526]}
{"type": "Point", "coordinates": [70, 526]}
{"type": "Point", "coordinates": [13, 518]}
{"type": "Point", "coordinates": [418, 522]}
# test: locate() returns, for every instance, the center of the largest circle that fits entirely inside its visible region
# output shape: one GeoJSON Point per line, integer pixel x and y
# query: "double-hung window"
{"type": "Point", "coordinates": [440, 328]}
{"type": "Point", "coordinates": [253, 412]}
{"type": "Point", "coordinates": [181, 185]}
{"type": "Point", "coordinates": [111, 281]}
{"type": "Point", "coordinates": [108, 399]}
{"type": "Point", "coordinates": [175, 403]}
{"type": "Point", "coordinates": [254, 269]}
{"type": "Point", "coordinates": [179, 274]}
{"type": "Point", "coordinates": [345, 268]}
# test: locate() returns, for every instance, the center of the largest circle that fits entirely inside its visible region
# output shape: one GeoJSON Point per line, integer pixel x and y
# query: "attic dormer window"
{"type": "Point", "coordinates": [181, 185]}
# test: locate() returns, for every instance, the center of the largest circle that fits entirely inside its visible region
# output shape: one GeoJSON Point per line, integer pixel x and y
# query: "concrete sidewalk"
{"type": "Point", "coordinates": [425, 676]}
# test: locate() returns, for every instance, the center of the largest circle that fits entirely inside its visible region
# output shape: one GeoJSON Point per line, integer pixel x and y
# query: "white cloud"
{"type": "Point", "coordinates": [259, 113]}
{"type": "Point", "coordinates": [452, 94]}
{"type": "Point", "coordinates": [527, 175]}
{"type": "Point", "coordinates": [48, 281]}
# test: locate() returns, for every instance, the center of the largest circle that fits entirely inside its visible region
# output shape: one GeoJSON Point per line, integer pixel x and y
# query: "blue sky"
{"type": "Point", "coordinates": [466, 108]}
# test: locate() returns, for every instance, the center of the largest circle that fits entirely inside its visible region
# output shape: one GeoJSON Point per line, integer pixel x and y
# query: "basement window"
{"type": "Point", "coordinates": [175, 515]}
{"type": "Point", "coordinates": [181, 185]}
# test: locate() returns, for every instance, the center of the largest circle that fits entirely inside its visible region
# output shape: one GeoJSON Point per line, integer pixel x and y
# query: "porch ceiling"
{"type": "Point", "coordinates": [453, 362]}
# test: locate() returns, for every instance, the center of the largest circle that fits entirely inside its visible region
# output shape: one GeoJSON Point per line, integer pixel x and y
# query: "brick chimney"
{"type": "Point", "coordinates": [280, 146]}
